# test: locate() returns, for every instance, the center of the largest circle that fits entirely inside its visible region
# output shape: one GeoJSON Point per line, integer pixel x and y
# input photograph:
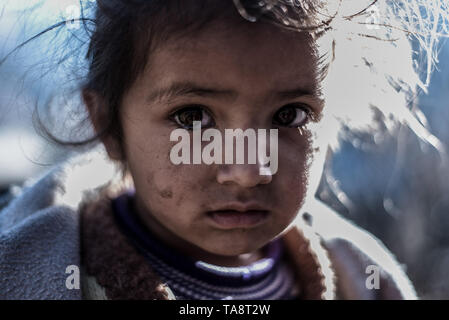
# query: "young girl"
{"type": "Point", "coordinates": [161, 230]}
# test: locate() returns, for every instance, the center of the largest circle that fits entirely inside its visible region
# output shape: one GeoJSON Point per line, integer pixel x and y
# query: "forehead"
{"type": "Point", "coordinates": [236, 55]}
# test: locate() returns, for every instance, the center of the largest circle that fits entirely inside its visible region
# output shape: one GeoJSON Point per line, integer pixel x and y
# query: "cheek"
{"type": "Point", "coordinates": [166, 187]}
{"type": "Point", "coordinates": [168, 194]}
{"type": "Point", "coordinates": [295, 153]}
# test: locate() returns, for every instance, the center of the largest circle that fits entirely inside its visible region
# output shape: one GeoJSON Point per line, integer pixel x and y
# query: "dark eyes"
{"type": "Point", "coordinates": [186, 116]}
{"type": "Point", "coordinates": [292, 115]}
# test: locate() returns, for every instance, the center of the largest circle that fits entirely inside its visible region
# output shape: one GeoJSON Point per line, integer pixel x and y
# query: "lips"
{"type": "Point", "coordinates": [238, 216]}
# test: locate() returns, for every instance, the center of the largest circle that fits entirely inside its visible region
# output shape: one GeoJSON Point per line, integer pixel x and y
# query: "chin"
{"type": "Point", "coordinates": [236, 245]}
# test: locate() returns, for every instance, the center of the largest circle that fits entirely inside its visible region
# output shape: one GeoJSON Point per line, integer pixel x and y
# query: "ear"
{"type": "Point", "coordinates": [97, 109]}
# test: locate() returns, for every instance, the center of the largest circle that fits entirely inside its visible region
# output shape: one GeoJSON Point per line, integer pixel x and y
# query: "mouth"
{"type": "Point", "coordinates": [238, 216]}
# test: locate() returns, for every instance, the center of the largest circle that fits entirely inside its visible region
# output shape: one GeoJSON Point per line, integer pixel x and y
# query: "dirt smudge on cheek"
{"type": "Point", "coordinates": [166, 193]}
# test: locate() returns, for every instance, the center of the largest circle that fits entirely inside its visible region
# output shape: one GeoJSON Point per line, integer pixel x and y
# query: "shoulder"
{"type": "Point", "coordinates": [37, 244]}
{"type": "Point", "coordinates": [40, 234]}
{"type": "Point", "coordinates": [364, 267]}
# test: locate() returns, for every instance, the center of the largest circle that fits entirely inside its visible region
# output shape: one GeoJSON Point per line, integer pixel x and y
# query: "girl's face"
{"type": "Point", "coordinates": [229, 75]}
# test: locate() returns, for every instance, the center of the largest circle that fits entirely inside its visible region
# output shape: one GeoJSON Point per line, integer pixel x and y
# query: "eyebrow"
{"type": "Point", "coordinates": [179, 89]}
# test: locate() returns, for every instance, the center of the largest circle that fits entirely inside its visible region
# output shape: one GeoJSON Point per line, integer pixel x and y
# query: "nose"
{"type": "Point", "coordinates": [245, 164]}
{"type": "Point", "coordinates": [244, 175]}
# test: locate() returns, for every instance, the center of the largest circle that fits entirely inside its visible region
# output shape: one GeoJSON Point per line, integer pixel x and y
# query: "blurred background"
{"type": "Point", "coordinates": [393, 184]}
{"type": "Point", "coordinates": [388, 182]}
